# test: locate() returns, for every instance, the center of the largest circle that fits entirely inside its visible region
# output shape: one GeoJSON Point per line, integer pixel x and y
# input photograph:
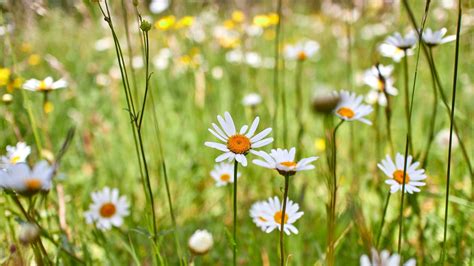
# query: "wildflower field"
{"type": "Point", "coordinates": [158, 132]}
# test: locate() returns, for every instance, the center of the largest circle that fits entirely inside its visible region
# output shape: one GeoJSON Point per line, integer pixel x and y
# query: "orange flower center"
{"type": "Point", "coordinates": [398, 176]}
{"type": "Point", "coordinates": [107, 210]}
{"type": "Point", "coordinates": [225, 177]}
{"type": "Point", "coordinates": [345, 112]}
{"type": "Point", "coordinates": [277, 217]}
{"type": "Point", "coordinates": [33, 184]}
{"type": "Point", "coordinates": [288, 164]}
{"type": "Point", "coordinates": [302, 56]}
{"type": "Point", "coordinates": [238, 144]}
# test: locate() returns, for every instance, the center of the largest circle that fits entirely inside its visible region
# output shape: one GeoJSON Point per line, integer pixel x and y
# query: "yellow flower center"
{"type": "Point", "coordinates": [277, 217]}
{"type": "Point", "coordinates": [398, 176]}
{"type": "Point", "coordinates": [15, 159]}
{"type": "Point", "coordinates": [42, 86]}
{"type": "Point", "coordinates": [107, 210]}
{"type": "Point", "coordinates": [238, 144]}
{"type": "Point", "coordinates": [288, 164]}
{"type": "Point", "coordinates": [345, 112]}
{"type": "Point", "coordinates": [302, 56]}
{"type": "Point", "coordinates": [380, 85]}
{"type": "Point", "coordinates": [33, 184]}
{"type": "Point", "coordinates": [225, 177]}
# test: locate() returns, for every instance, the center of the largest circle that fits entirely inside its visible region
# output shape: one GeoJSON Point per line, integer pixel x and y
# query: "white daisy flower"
{"type": "Point", "coordinates": [284, 161]}
{"type": "Point", "coordinates": [223, 174]}
{"type": "Point", "coordinates": [350, 108]}
{"type": "Point", "coordinates": [48, 84]}
{"type": "Point", "coordinates": [379, 79]}
{"type": "Point", "coordinates": [442, 139]}
{"type": "Point", "coordinates": [200, 242]}
{"type": "Point", "coordinates": [15, 154]}
{"type": "Point", "coordinates": [390, 51]}
{"type": "Point", "coordinates": [384, 259]}
{"type": "Point", "coordinates": [403, 42]}
{"type": "Point", "coordinates": [395, 173]}
{"type": "Point", "coordinates": [252, 99]}
{"type": "Point", "coordinates": [237, 144]}
{"type": "Point", "coordinates": [434, 38]}
{"type": "Point", "coordinates": [158, 6]}
{"type": "Point", "coordinates": [302, 50]}
{"type": "Point", "coordinates": [267, 215]}
{"type": "Point", "coordinates": [26, 181]}
{"type": "Point", "coordinates": [107, 209]}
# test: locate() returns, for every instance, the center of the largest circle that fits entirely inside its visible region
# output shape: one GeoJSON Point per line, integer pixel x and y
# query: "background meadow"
{"type": "Point", "coordinates": [205, 57]}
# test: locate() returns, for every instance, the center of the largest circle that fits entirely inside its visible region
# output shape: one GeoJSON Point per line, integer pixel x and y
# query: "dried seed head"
{"type": "Point", "coordinates": [29, 233]}
{"type": "Point", "coordinates": [325, 102]}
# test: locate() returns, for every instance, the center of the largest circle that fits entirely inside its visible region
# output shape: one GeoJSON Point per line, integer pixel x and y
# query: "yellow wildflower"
{"type": "Point", "coordinates": [165, 23]}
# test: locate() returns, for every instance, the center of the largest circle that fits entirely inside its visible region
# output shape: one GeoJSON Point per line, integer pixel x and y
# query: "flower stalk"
{"type": "Point", "coordinates": [282, 224]}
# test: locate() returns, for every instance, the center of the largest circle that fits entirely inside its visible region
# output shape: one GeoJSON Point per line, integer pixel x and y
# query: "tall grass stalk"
{"type": "Point", "coordinates": [408, 136]}
{"type": "Point", "coordinates": [136, 119]}
{"type": "Point", "coordinates": [407, 98]}
{"type": "Point", "coordinates": [453, 103]}
{"type": "Point", "coordinates": [382, 223]}
{"type": "Point", "coordinates": [276, 71]}
{"type": "Point", "coordinates": [298, 107]}
{"type": "Point", "coordinates": [282, 223]}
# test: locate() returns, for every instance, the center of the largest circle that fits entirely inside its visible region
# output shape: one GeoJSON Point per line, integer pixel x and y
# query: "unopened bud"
{"type": "Point", "coordinates": [200, 242]}
{"type": "Point", "coordinates": [135, 2]}
{"type": "Point", "coordinates": [29, 233]}
{"type": "Point", "coordinates": [325, 102]}
{"type": "Point", "coordinates": [145, 26]}
{"type": "Point", "coordinates": [7, 98]}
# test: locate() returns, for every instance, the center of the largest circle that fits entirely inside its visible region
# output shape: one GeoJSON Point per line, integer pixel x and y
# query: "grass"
{"type": "Point", "coordinates": [186, 98]}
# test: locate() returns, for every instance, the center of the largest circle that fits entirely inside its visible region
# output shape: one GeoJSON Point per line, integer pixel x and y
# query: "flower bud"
{"type": "Point", "coordinates": [29, 233]}
{"type": "Point", "coordinates": [325, 102]}
{"type": "Point", "coordinates": [7, 98]}
{"type": "Point", "coordinates": [200, 242]}
{"type": "Point", "coordinates": [145, 26]}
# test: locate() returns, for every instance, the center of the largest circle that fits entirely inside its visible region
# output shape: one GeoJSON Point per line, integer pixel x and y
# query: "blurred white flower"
{"type": "Point", "coordinates": [253, 59]}
{"type": "Point", "coordinates": [302, 50]}
{"type": "Point", "coordinates": [103, 44]}
{"type": "Point", "coordinates": [162, 59]}
{"type": "Point", "coordinates": [24, 180]}
{"type": "Point", "coordinates": [267, 215]}
{"type": "Point", "coordinates": [137, 62]}
{"type": "Point", "coordinates": [379, 78]}
{"type": "Point", "coordinates": [217, 72]}
{"type": "Point", "coordinates": [252, 99]}
{"type": "Point", "coordinates": [234, 56]}
{"type": "Point", "coordinates": [15, 154]}
{"type": "Point", "coordinates": [396, 45]}
{"type": "Point", "coordinates": [158, 6]}
{"type": "Point", "coordinates": [48, 84]}
{"type": "Point", "coordinates": [29, 233]}
{"type": "Point", "coordinates": [253, 30]}
{"type": "Point", "coordinates": [384, 259]}
{"type": "Point", "coordinates": [200, 242]}
{"type": "Point", "coordinates": [434, 38]}
{"type": "Point", "coordinates": [107, 209]}
{"type": "Point", "coordinates": [223, 174]}
{"type": "Point", "coordinates": [442, 139]}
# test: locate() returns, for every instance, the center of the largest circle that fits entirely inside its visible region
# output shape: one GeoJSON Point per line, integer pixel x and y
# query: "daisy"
{"type": "Point", "coordinates": [26, 181]}
{"type": "Point", "coordinates": [48, 84]}
{"type": "Point", "coordinates": [302, 50]}
{"type": "Point", "coordinates": [268, 214]}
{"type": "Point", "coordinates": [158, 6]}
{"type": "Point", "coordinates": [15, 154]}
{"type": "Point", "coordinates": [434, 38]}
{"type": "Point", "coordinates": [379, 79]}
{"type": "Point", "coordinates": [284, 161]}
{"type": "Point", "coordinates": [390, 51]}
{"type": "Point", "coordinates": [237, 144]}
{"type": "Point", "coordinates": [223, 174]}
{"type": "Point", "coordinates": [384, 259]}
{"type": "Point", "coordinates": [200, 242]}
{"type": "Point", "coordinates": [252, 99]}
{"type": "Point", "coordinates": [350, 108]}
{"type": "Point", "coordinates": [403, 42]}
{"type": "Point", "coordinates": [395, 173]}
{"type": "Point", "coordinates": [442, 139]}
{"type": "Point", "coordinates": [107, 209]}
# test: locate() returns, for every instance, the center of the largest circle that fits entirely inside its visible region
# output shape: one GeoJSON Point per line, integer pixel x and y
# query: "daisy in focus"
{"type": "Point", "coordinates": [267, 215]}
{"type": "Point", "coordinates": [283, 161]}
{"type": "Point", "coordinates": [26, 181]}
{"type": "Point", "coordinates": [223, 174]}
{"type": "Point", "coordinates": [435, 38]}
{"type": "Point", "coordinates": [302, 50]}
{"type": "Point", "coordinates": [46, 85]}
{"type": "Point", "coordinates": [15, 154]}
{"type": "Point", "coordinates": [394, 170]}
{"type": "Point", "coordinates": [107, 209]}
{"type": "Point", "coordinates": [237, 144]}
{"type": "Point", "coordinates": [397, 46]}
{"type": "Point", "coordinates": [384, 259]}
{"type": "Point", "coordinates": [379, 79]}
{"type": "Point", "coordinates": [350, 108]}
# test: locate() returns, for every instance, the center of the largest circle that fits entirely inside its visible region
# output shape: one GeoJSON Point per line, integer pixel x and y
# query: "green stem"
{"type": "Point", "coordinates": [234, 244]}
{"type": "Point", "coordinates": [276, 70]}
{"type": "Point", "coordinates": [407, 97]}
{"type": "Point", "coordinates": [387, 200]}
{"type": "Point", "coordinates": [282, 223]}
{"type": "Point", "coordinates": [448, 174]}
{"type": "Point", "coordinates": [298, 107]}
